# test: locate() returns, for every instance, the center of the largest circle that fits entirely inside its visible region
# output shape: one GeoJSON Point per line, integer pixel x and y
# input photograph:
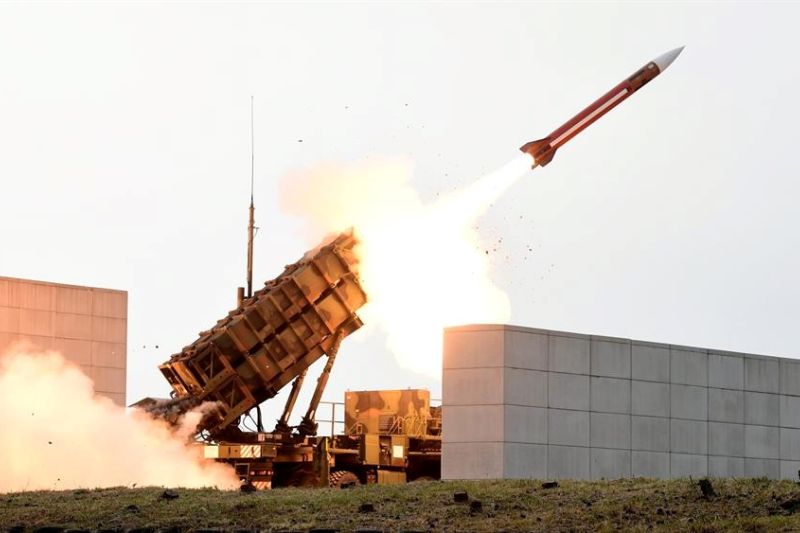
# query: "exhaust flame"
{"type": "Point", "coordinates": [420, 264]}
{"type": "Point", "coordinates": [57, 434]}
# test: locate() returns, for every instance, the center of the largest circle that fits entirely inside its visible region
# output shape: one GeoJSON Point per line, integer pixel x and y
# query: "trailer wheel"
{"type": "Point", "coordinates": [343, 479]}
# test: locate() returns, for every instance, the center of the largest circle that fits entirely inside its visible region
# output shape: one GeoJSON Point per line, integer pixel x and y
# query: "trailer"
{"type": "Point", "coordinates": [391, 436]}
{"type": "Point", "coordinates": [268, 342]}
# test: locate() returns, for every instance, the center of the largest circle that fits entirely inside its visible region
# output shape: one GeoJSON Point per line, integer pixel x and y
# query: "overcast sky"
{"type": "Point", "coordinates": [125, 153]}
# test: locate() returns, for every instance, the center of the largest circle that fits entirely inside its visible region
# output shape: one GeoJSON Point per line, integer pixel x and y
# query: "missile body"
{"type": "Point", "coordinates": [543, 150]}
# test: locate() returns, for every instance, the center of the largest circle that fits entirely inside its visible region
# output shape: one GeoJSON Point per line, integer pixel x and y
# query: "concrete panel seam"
{"type": "Point", "coordinates": [780, 418]}
{"type": "Point", "coordinates": [106, 366]}
{"type": "Point", "coordinates": [665, 417]}
{"type": "Point", "coordinates": [487, 441]}
{"type": "Point", "coordinates": [704, 386]}
{"type": "Point", "coordinates": [526, 443]}
{"type": "Point", "coordinates": [446, 368]}
{"type": "Point", "coordinates": [547, 439]}
{"type": "Point", "coordinates": [565, 372]}
{"type": "Point", "coordinates": [583, 447]}
{"type": "Point", "coordinates": [630, 417]}
{"type": "Point", "coordinates": [452, 404]}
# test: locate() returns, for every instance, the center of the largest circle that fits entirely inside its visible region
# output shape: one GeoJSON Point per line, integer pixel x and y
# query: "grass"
{"type": "Point", "coordinates": [510, 505]}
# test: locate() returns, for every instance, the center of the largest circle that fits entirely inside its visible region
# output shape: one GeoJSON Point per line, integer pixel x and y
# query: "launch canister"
{"type": "Point", "coordinates": [543, 150]}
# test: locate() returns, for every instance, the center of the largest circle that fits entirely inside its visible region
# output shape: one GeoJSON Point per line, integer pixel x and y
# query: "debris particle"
{"type": "Point", "coordinates": [707, 488]}
{"type": "Point", "coordinates": [475, 506]}
{"type": "Point", "coordinates": [169, 495]}
{"type": "Point", "coordinates": [132, 508]}
{"type": "Point", "coordinates": [791, 505]}
{"type": "Point", "coordinates": [366, 507]}
{"type": "Point", "coordinates": [460, 496]}
{"type": "Point", "coordinates": [550, 484]}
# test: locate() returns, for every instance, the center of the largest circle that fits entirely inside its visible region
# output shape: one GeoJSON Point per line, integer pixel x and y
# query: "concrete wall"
{"type": "Point", "coordinates": [529, 403]}
{"type": "Point", "coordinates": [87, 325]}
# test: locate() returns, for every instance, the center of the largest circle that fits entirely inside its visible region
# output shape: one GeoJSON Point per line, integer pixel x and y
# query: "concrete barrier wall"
{"type": "Point", "coordinates": [529, 403]}
{"type": "Point", "coordinates": [87, 325]}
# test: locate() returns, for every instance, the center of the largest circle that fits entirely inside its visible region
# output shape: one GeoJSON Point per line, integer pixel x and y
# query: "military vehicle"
{"type": "Point", "coordinates": [270, 340]}
{"type": "Point", "coordinates": [391, 436]}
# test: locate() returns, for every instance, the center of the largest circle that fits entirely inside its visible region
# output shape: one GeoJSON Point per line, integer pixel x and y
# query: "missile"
{"type": "Point", "coordinates": [543, 150]}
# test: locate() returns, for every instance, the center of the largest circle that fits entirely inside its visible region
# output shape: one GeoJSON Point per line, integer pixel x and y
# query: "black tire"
{"type": "Point", "coordinates": [343, 479]}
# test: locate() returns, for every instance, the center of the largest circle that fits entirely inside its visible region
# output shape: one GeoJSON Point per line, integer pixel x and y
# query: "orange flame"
{"type": "Point", "coordinates": [421, 264]}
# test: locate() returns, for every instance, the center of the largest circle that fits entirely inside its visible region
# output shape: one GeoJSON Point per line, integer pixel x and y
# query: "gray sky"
{"type": "Point", "coordinates": [124, 157]}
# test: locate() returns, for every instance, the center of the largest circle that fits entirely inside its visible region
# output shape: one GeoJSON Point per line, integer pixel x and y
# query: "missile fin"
{"type": "Point", "coordinates": [541, 151]}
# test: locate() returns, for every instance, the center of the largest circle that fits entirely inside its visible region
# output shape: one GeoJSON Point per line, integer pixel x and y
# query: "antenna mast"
{"type": "Point", "coordinates": [251, 225]}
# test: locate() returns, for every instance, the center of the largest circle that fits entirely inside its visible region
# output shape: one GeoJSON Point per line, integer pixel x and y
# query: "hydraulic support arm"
{"type": "Point", "coordinates": [308, 426]}
{"type": "Point", "coordinates": [283, 424]}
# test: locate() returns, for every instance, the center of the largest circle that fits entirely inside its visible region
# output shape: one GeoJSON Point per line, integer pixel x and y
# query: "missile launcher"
{"type": "Point", "coordinates": [269, 340]}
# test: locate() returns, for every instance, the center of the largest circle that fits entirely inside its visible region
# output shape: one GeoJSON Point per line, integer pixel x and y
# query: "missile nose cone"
{"type": "Point", "coordinates": [665, 60]}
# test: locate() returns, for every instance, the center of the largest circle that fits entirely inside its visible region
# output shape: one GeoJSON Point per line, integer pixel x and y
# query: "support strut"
{"type": "Point", "coordinates": [283, 424]}
{"type": "Point", "coordinates": [309, 425]}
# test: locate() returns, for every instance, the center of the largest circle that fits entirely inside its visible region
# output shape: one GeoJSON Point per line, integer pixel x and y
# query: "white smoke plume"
{"type": "Point", "coordinates": [421, 264]}
{"type": "Point", "coordinates": [56, 433]}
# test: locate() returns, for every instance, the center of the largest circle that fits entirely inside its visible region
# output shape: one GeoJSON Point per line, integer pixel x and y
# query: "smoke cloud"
{"type": "Point", "coordinates": [421, 264]}
{"type": "Point", "coordinates": [56, 433]}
